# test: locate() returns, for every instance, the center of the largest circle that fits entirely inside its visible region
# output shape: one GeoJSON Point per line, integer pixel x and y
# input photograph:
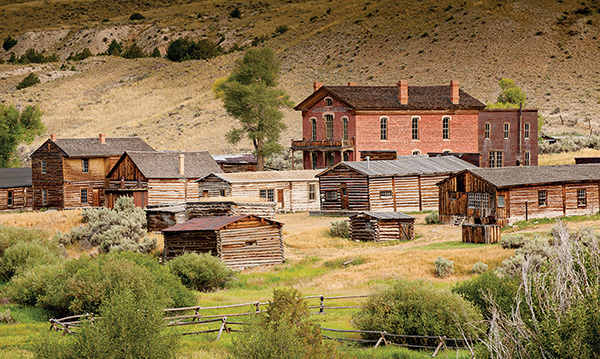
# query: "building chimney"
{"type": "Point", "coordinates": [352, 84]}
{"type": "Point", "coordinates": [102, 138]}
{"type": "Point", "coordinates": [403, 92]}
{"type": "Point", "coordinates": [53, 136]}
{"type": "Point", "coordinates": [368, 162]}
{"type": "Point", "coordinates": [454, 96]}
{"type": "Point", "coordinates": [181, 164]}
{"type": "Point", "coordinates": [317, 85]}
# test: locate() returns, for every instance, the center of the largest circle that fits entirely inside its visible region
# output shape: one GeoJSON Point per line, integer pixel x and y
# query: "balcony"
{"type": "Point", "coordinates": [329, 145]}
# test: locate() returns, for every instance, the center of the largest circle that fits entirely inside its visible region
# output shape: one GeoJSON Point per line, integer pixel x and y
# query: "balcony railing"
{"type": "Point", "coordinates": [323, 144]}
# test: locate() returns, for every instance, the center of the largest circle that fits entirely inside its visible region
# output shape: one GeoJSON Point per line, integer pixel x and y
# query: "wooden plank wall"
{"type": "Point", "coordinates": [461, 184]}
{"type": "Point", "coordinates": [365, 228]}
{"type": "Point", "coordinates": [233, 168]}
{"type": "Point", "coordinates": [356, 183]}
{"type": "Point", "coordinates": [213, 185]}
{"type": "Point", "coordinates": [72, 193]}
{"type": "Point", "coordinates": [376, 185]}
{"type": "Point", "coordinates": [177, 243]}
{"type": "Point", "coordinates": [480, 233]}
{"type": "Point", "coordinates": [52, 180]}
{"type": "Point", "coordinates": [128, 170]}
{"type": "Point", "coordinates": [22, 197]}
{"type": "Point", "coordinates": [226, 208]}
{"type": "Point", "coordinates": [171, 190]}
{"type": "Point", "coordinates": [407, 193]}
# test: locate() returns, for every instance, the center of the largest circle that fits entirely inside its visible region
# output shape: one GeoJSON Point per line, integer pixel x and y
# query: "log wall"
{"type": "Point", "coordinates": [366, 228]}
{"type": "Point", "coordinates": [52, 180]}
{"type": "Point", "coordinates": [22, 198]}
{"type": "Point", "coordinates": [229, 208]}
{"type": "Point", "coordinates": [164, 191]}
{"type": "Point", "coordinates": [357, 186]}
{"type": "Point", "coordinates": [177, 243]}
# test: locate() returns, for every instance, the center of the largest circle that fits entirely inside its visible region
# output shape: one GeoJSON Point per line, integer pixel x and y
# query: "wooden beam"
{"type": "Point", "coordinates": [394, 191]}
{"type": "Point", "coordinates": [420, 195]}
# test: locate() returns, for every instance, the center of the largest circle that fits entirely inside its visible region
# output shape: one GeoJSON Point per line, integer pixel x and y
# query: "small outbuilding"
{"type": "Point", "coordinates": [382, 226]}
{"type": "Point", "coordinates": [15, 188]}
{"type": "Point", "coordinates": [245, 162]}
{"type": "Point", "coordinates": [240, 241]}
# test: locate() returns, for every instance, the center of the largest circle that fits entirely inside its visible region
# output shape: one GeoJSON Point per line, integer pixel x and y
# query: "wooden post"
{"type": "Point", "coordinates": [381, 339]}
{"type": "Point", "coordinates": [322, 298]}
{"type": "Point", "coordinates": [223, 320]}
{"type": "Point", "coordinates": [442, 343]}
{"type": "Point", "coordinates": [420, 195]}
{"type": "Point", "coordinates": [526, 211]}
{"type": "Point", "coordinates": [257, 304]}
{"type": "Point", "coordinates": [394, 192]}
{"type": "Point", "coordinates": [564, 199]}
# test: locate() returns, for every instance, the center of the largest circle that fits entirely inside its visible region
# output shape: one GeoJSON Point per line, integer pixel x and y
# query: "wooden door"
{"type": "Point", "coordinates": [205, 193]}
{"type": "Point", "coordinates": [140, 198]}
{"type": "Point", "coordinates": [95, 198]}
{"type": "Point", "coordinates": [344, 196]}
{"type": "Point", "coordinates": [280, 200]}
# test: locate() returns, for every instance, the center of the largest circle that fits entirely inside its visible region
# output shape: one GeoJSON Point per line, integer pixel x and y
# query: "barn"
{"type": "Point", "coordinates": [240, 241]}
{"type": "Point", "coordinates": [505, 195]}
{"type": "Point", "coordinates": [15, 188]}
{"type": "Point", "coordinates": [293, 191]}
{"type": "Point", "coordinates": [382, 226]}
{"type": "Point", "coordinates": [407, 184]}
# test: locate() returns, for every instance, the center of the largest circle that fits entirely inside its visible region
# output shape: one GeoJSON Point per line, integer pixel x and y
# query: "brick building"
{"type": "Point", "coordinates": [349, 123]}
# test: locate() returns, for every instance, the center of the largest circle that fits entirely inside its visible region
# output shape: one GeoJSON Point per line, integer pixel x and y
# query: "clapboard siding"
{"type": "Point", "coordinates": [407, 193]}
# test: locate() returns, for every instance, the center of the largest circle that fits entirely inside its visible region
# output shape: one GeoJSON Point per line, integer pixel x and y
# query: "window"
{"type": "Point", "coordinates": [446, 151]}
{"type": "Point", "coordinates": [9, 198]}
{"type": "Point", "coordinates": [346, 156]}
{"type": "Point", "coordinates": [43, 166]}
{"type": "Point", "coordinates": [478, 200]}
{"type": "Point", "coordinates": [312, 191]}
{"type": "Point", "coordinates": [383, 129]}
{"type": "Point", "coordinates": [345, 128]}
{"type": "Point", "coordinates": [328, 102]}
{"type": "Point", "coordinates": [330, 195]}
{"type": "Point", "coordinates": [415, 128]}
{"type": "Point", "coordinates": [446, 128]}
{"type": "Point", "coordinates": [581, 198]}
{"type": "Point", "coordinates": [251, 243]}
{"type": "Point", "coordinates": [222, 192]}
{"type": "Point", "coordinates": [501, 202]}
{"type": "Point", "coordinates": [416, 152]}
{"type": "Point", "coordinates": [453, 195]}
{"type": "Point", "coordinates": [527, 159]}
{"type": "Point", "coordinates": [85, 165]}
{"type": "Point", "coordinates": [329, 125]}
{"type": "Point", "coordinates": [495, 158]}
{"type": "Point", "coordinates": [506, 130]}
{"type": "Point", "coordinates": [44, 197]}
{"type": "Point", "coordinates": [314, 160]}
{"type": "Point", "coordinates": [313, 122]}
{"type": "Point", "coordinates": [268, 194]}
{"type": "Point", "coordinates": [542, 198]}
{"type": "Point", "coordinates": [330, 159]}
{"type": "Point", "coordinates": [262, 193]}
{"type": "Point", "coordinates": [526, 130]}
{"type": "Point", "coordinates": [385, 194]}
{"type": "Point", "coordinates": [84, 195]}
{"type": "Point", "coordinates": [487, 130]}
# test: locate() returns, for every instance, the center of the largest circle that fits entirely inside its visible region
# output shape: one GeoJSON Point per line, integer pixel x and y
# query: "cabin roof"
{"type": "Point", "coordinates": [386, 97]}
{"type": "Point", "coordinates": [166, 164]}
{"type": "Point", "coordinates": [384, 215]}
{"type": "Point", "coordinates": [92, 147]}
{"type": "Point", "coordinates": [530, 175]}
{"type": "Point", "coordinates": [406, 166]}
{"type": "Point", "coordinates": [212, 223]}
{"type": "Point", "coordinates": [15, 177]}
{"type": "Point", "coordinates": [240, 159]}
{"type": "Point", "coordinates": [267, 176]}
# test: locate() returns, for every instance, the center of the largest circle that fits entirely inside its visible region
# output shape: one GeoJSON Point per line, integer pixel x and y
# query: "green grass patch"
{"type": "Point", "coordinates": [523, 225]}
{"type": "Point", "coordinates": [448, 245]}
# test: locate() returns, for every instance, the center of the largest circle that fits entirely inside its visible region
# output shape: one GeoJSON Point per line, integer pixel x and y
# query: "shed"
{"type": "Point", "coordinates": [15, 188]}
{"type": "Point", "coordinates": [244, 162]}
{"type": "Point", "coordinates": [240, 241]}
{"type": "Point", "coordinates": [382, 226]}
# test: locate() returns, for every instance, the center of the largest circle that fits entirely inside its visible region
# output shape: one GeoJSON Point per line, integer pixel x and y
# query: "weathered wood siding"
{"type": "Point", "coordinates": [229, 208]}
{"type": "Point", "coordinates": [212, 185]}
{"type": "Point", "coordinates": [72, 193]}
{"type": "Point", "coordinates": [171, 190]}
{"type": "Point", "coordinates": [177, 243]}
{"type": "Point", "coordinates": [233, 168]}
{"type": "Point", "coordinates": [365, 228]}
{"type": "Point", "coordinates": [127, 170]}
{"type": "Point", "coordinates": [377, 202]}
{"type": "Point", "coordinates": [408, 197]}
{"type": "Point", "coordinates": [22, 198]}
{"type": "Point", "coordinates": [481, 233]}
{"type": "Point", "coordinates": [52, 180]}
{"type": "Point", "coordinates": [356, 184]}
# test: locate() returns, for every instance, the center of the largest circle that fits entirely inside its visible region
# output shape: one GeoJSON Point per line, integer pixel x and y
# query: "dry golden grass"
{"type": "Point", "coordinates": [566, 158]}
{"type": "Point", "coordinates": [52, 221]}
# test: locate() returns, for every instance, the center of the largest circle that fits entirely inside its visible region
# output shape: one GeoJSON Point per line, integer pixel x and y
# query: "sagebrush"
{"type": "Point", "coordinates": [202, 272]}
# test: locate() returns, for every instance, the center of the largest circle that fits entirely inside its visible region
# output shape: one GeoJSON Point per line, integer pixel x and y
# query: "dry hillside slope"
{"type": "Point", "coordinates": [550, 49]}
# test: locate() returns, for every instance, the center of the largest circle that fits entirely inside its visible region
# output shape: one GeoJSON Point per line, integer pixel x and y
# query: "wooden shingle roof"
{"type": "Point", "coordinates": [15, 177]}
{"type": "Point", "coordinates": [92, 147]}
{"type": "Point", "coordinates": [267, 176]}
{"type": "Point", "coordinates": [526, 175]}
{"type": "Point", "coordinates": [166, 164]}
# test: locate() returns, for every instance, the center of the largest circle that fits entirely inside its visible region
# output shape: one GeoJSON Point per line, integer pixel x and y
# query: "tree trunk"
{"type": "Point", "coordinates": [260, 158]}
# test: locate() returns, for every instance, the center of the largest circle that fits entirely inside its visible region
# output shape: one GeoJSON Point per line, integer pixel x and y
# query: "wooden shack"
{"type": "Point", "coordinates": [245, 162]}
{"type": "Point", "coordinates": [240, 241]}
{"type": "Point", "coordinates": [407, 184]}
{"type": "Point", "coordinates": [508, 194]}
{"type": "Point", "coordinates": [15, 188]}
{"type": "Point", "coordinates": [382, 226]}
{"type": "Point", "coordinates": [158, 177]}
{"type": "Point", "coordinates": [292, 191]}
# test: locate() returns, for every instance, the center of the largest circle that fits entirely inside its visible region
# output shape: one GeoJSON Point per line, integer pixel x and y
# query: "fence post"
{"type": "Point", "coordinates": [223, 320]}
{"type": "Point", "coordinates": [442, 343]}
{"type": "Point", "coordinates": [197, 315]}
{"type": "Point", "coordinates": [257, 304]}
{"type": "Point", "coordinates": [381, 339]}
{"type": "Point", "coordinates": [321, 309]}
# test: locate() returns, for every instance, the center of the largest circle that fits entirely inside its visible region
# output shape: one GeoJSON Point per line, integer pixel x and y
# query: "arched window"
{"type": "Point", "coordinates": [384, 128]}
{"type": "Point", "coordinates": [416, 152]}
{"type": "Point", "coordinates": [314, 160]}
{"type": "Point", "coordinates": [313, 123]}
{"type": "Point", "coordinates": [446, 128]}
{"type": "Point", "coordinates": [415, 128]}
{"type": "Point", "coordinates": [345, 128]}
{"type": "Point", "coordinates": [446, 151]}
{"type": "Point", "coordinates": [328, 102]}
{"type": "Point", "coordinates": [329, 126]}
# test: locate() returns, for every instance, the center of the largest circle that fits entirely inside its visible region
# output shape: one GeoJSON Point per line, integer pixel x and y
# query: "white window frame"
{"type": "Point", "coordinates": [385, 194]}
{"type": "Point", "coordinates": [582, 197]}
{"type": "Point", "coordinates": [446, 128]}
{"type": "Point", "coordinates": [526, 130]}
{"type": "Point", "coordinates": [542, 198]}
{"type": "Point", "coordinates": [383, 128]}
{"type": "Point", "coordinates": [478, 200]}
{"type": "Point", "coordinates": [506, 130]}
{"type": "Point", "coordinates": [312, 192]}
{"type": "Point", "coordinates": [415, 132]}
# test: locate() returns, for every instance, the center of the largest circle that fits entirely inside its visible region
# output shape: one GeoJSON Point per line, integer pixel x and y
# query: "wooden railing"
{"type": "Point", "coordinates": [323, 143]}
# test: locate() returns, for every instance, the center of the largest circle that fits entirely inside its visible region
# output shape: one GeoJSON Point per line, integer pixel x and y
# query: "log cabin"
{"type": "Point", "coordinates": [71, 172]}
{"type": "Point", "coordinates": [293, 191]}
{"type": "Point", "coordinates": [158, 177]}
{"type": "Point", "coordinates": [382, 226]}
{"type": "Point", "coordinates": [240, 241]}
{"type": "Point", "coordinates": [15, 188]}
{"type": "Point", "coordinates": [407, 184]}
{"type": "Point", "coordinates": [505, 195]}
{"type": "Point", "coordinates": [244, 162]}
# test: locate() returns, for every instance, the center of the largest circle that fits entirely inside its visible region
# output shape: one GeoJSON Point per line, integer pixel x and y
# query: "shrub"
{"type": "Point", "coordinates": [9, 43]}
{"type": "Point", "coordinates": [28, 81]}
{"type": "Point", "coordinates": [25, 288]}
{"type": "Point", "coordinates": [156, 53]}
{"type": "Point", "coordinates": [133, 51]}
{"type": "Point", "coordinates": [535, 251]}
{"type": "Point", "coordinates": [137, 16]}
{"type": "Point", "coordinates": [444, 267]}
{"type": "Point", "coordinates": [202, 272]}
{"type": "Point", "coordinates": [32, 56]}
{"type": "Point", "coordinates": [501, 290]}
{"type": "Point", "coordinates": [479, 268]}
{"type": "Point", "coordinates": [235, 13]}
{"type": "Point", "coordinates": [512, 241]}
{"type": "Point", "coordinates": [114, 48]}
{"type": "Point", "coordinates": [26, 255]}
{"type": "Point", "coordinates": [10, 236]}
{"type": "Point", "coordinates": [417, 308]}
{"type": "Point", "coordinates": [184, 49]}
{"type": "Point", "coordinates": [432, 218]}
{"type": "Point", "coordinates": [84, 54]}
{"type": "Point", "coordinates": [129, 327]}
{"type": "Point", "coordinates": [282, 29]}
{"type": "Point", "coordinates": [7, 318]}
{"type": "Point", "coordinates": [339, 229]}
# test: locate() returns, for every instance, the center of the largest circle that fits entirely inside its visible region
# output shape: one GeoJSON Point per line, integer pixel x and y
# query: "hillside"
{"type": "Point", "coordinates": [549, 48]}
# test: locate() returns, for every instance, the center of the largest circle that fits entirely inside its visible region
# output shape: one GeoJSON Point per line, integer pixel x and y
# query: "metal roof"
{"type": "Point", "coordinates": [92, 147]}
{"type": "Point", "coordinates": [211, 223]}
{"type": "Point", "coordinates": [15, 177]}
{"type": "Point", "coordinates": [267, 176]}
{"type": "Point", "coordinates": [244, 158]}
{"type": "Point", "coordinates": [526, 175]}
{"type": "Point", "coordinates": [406, 166]}
{"type": "Point", "coordinates": [385, 215]}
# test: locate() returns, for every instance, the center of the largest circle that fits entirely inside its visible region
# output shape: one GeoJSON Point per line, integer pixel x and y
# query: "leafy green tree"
{"type": "Point", "coordinates": [114, 48]}
{"type": "Point", "coordinates": [15, 128]}
{"type": "Point", "coordinates": [511, 96]}
{"type": "Point", "coordinates": [184, 49]}
{"type": "Point", "coordinates": [133, 51]}
{"type": "Point", "coordinates": [9, 43]}
{"type": "Point", "coordinates": [250, 95]}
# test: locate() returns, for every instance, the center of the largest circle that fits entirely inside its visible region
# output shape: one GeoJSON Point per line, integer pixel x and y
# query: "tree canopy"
{"type": "Point", "coordinates": [511, 96]}
{"type": "Point", "coordinates": [250, 95]}
{"type": "Point", "coordinates": [17, 127]}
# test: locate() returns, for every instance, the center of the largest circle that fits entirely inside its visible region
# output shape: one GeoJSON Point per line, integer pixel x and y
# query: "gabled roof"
{"type": "Point", "coordinates": [386, 97]}
{"type": "Point", "coordinates": [91, 147]}
{"type": "Point", "coordinates": [384, 215]}
{"type": "Point", "coordinates": [240, 159]}
{"type": "Point", "coordinates": [211, 223]}
{"type": "Point", "coordinates": [406, 166]}
{"type": "Point", "coordinates": [526, 175]}
{"type": "Point", "coordinates": [15, 177]}
{"type": "Point", "coordinates": [166, 164]}
{"type": "Point", "coordinates": [267, 176]}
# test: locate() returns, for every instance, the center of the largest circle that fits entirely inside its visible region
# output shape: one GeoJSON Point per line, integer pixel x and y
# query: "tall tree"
{"type": "Point", "coordinates": [250, 95]}
{"type": "Point", "coordinates": [511, 96]}
{"type": "Point", "coordinates": [15, 128]}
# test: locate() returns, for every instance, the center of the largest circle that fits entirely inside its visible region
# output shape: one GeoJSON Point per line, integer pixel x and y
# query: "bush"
{"type": "Point", "coordinates": [114, 48]}
{"type": "Point", "coordinates": [137, 16]}
{"type": "Point", "coordinates": [7, 318]}
{"type": "Point", "coordinates": [32, 56]}
{"type": "Point", "coordinates": [501, 290]}
{"type": "Point", "coordinates": [84, 54]}
{"type": "Point", "coordinates": [202, 272]}
{"type": "Point", "coordinates": [134, 52]}
{"type": "Point", "coordinates": [26, 288]}
{"type": "Point", "coordinates": [9, 43]}
{"type": "Point", "coordinates": [156, 53]}
{"type": "Point", "coordinates": [28, 81]}
{"type": "Point", "coordinates": [432, 218]}
{"type": "Point", "coordinates": [479, 268]}
{"type": "Point", "coordinates": [235, 13]}
{"type": "Point", "coordinates": [339, 229]}
{"type": "Point", "coordinates": [184, 49]}
{"type": "Point", "coordinates": [129, 327]}
{"type": "Point", "coordinates": [536, 250]}
{"type": "Point", "coordinates": [282, 29]}
{"type": "Point", "coordinates": [26, 255]}
{"type": "Point", "coordinates": [10, 236]}
{"type": "Point", "coordinates": [417, 308]}
{"type": "Point", "coordinates": [512, 241]}
{"type": "Point", "coordinates": [444, 267]}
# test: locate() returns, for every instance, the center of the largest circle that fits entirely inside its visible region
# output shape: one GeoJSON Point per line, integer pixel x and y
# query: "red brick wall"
{"type": "Point", "coordinates": [510, 146]}
{"type": "Point", "coordinates": [318, 111]}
